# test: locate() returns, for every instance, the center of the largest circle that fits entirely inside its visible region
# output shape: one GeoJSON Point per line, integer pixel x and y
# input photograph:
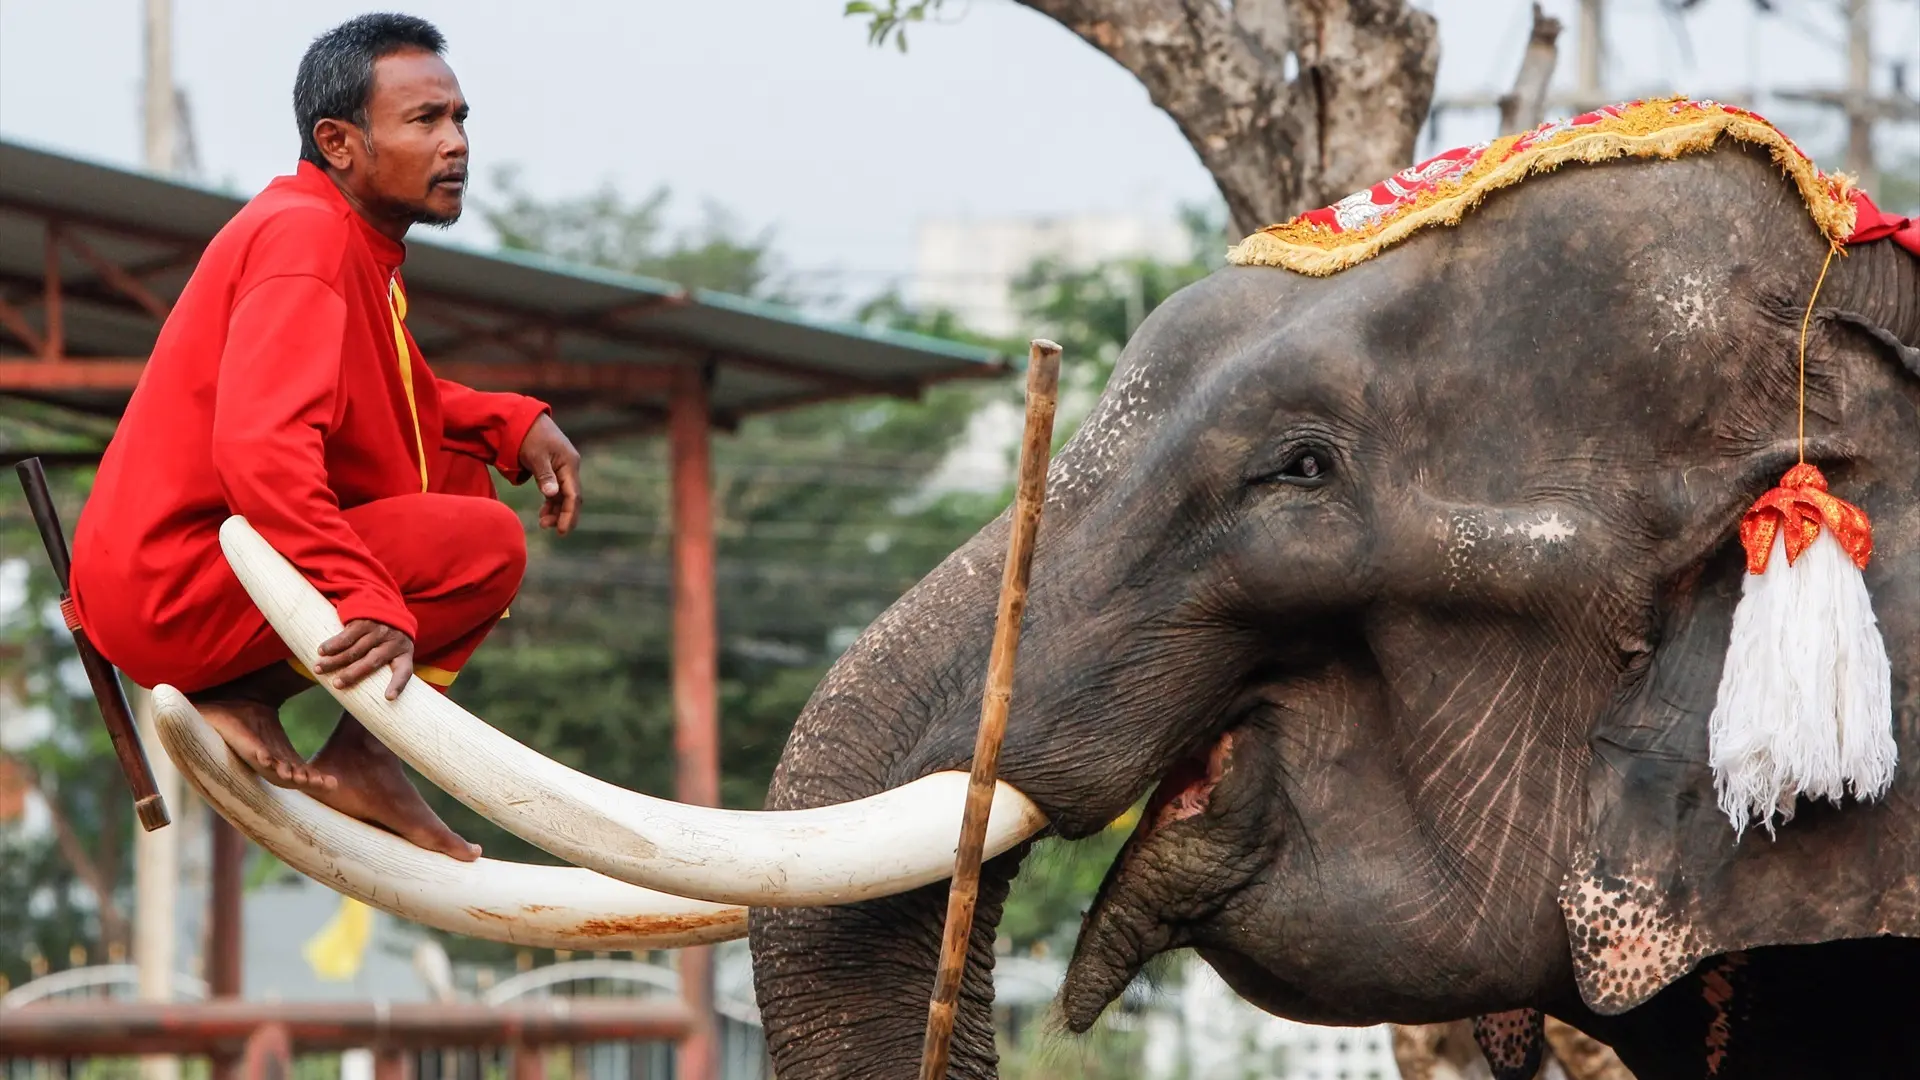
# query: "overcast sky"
{"type": "Point", "coordinates": [779, 111]}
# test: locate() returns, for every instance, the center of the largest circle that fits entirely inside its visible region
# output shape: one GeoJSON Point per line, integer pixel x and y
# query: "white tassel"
{"type": "Point", "coordinates": [1805, 704]}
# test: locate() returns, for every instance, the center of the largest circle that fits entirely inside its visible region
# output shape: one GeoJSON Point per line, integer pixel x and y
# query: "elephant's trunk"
{"type": "Point", "coordinates": [843, 991]}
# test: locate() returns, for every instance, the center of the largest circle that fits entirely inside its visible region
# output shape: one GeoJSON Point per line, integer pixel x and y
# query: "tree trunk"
{"type": "Point", "coordinates": [1291, 104]}
{"type": "Point", "coordinates": [1526, 105]}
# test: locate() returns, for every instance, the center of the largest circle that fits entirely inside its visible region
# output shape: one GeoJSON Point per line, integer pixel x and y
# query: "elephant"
{"type": "Point", "coordinates": [1402, 595]}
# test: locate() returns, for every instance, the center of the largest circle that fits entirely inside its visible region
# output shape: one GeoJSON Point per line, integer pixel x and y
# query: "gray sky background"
{"type": "Point", "coordinates": [780, 112]}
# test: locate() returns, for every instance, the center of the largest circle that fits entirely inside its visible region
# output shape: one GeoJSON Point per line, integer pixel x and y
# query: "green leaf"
{"type": "Point", "coordinates": [858, 7]}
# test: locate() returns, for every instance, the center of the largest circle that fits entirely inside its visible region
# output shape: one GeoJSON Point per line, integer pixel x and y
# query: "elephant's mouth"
{"type": "Point", "coordinates": [1187, 789]}
{"type": "Point", "coordinates": [1139, 913]}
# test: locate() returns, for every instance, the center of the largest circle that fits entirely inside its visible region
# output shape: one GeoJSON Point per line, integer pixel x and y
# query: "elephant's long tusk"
{"type": "Point", "coordinates": [551, 907]}
{"type": "Point", "coordinates": [888, 843]}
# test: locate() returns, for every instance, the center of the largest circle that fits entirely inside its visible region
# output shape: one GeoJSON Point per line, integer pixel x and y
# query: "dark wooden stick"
{"type": "Point", "coordinates": [107, 691]}
{"type": "Point", "coordinates": [1043, 388]}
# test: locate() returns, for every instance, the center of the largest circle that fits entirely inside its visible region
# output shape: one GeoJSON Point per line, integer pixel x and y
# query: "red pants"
{"type": "Point", "coordinates": [458, 560]}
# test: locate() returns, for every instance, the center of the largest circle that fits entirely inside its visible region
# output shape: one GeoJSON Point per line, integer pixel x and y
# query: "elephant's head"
{"type": "Point", "coordinates": [1404, 591]}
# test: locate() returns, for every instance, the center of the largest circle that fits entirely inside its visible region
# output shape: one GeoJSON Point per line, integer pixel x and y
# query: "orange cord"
{"type": "Point", "coordinates": [1806, 321]}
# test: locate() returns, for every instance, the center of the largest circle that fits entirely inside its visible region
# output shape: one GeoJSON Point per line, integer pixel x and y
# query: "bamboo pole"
{"type": "Point", "coordinates": [1043, 387]}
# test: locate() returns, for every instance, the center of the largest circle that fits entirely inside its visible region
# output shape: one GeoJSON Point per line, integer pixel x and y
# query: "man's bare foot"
{"type": "Point", "coordinates": [252, 731]}
{"type": "Point", "coordinates": [373, 787]}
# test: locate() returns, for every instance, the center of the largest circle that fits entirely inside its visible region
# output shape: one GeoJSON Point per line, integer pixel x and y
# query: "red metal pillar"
{"type": "Point", "coordinates": [391, 1064]}
{"type": "Point", "coordinates": [696, 735]}
{"type": "Point", "coordinates": [529, 1063]}
{"type": "Point", "coordinates": [269, 1054]}
{"type": "Point", "coordinates": [225, 926]}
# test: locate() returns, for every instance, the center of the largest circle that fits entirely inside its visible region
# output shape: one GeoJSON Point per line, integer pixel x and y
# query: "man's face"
{"type": "Point", "coordinates": [416, 168]}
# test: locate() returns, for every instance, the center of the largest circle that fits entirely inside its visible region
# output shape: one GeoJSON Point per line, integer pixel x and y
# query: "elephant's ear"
{"type": "Point", "coordinates": [1660, 882]}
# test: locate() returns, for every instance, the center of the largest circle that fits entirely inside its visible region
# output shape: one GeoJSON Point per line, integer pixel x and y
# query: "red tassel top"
{"type": "Point", "coordinates": [1800, 506]}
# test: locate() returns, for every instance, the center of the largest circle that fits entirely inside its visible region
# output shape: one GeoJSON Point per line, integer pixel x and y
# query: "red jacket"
{"type": "Point", "coordinates": [275, 392]}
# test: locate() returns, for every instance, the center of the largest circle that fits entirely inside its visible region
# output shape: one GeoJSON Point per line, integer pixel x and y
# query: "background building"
{"type": "Point", "coordinates": [967, 265]}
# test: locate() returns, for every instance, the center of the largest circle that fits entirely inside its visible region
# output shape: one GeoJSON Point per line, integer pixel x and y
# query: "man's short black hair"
{"type": "Point", "coordinates": [336, 75]}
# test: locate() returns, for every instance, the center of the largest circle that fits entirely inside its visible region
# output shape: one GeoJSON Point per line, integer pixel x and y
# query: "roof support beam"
{"type": "Point", "coordinates": [830, 382]}
{"type": "Point", "coordinates": [508, 336]}
{"type": "Point", "coordinates": [29, 294]}
{"type": "Point", "coordinates": [177, 260]}
{"type": "Point", "coordinates": [17, 325]}
{"type": "Point", "coordinates": [105, 224]}
{"type": "Point", "coordinates": [69, 373]}
{"type": "Point", "coordinates": [618, 380]}
{"type": "Point", "coordinates": [120, 279]}
{"type": "Point", "coordinates": [729, 421]}
{"type": "Point", "coordinates": [55, 341]}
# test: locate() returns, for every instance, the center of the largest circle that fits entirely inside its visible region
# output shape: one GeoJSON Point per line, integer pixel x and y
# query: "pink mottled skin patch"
{"type": "Point", "coordinates": [1627, 944]}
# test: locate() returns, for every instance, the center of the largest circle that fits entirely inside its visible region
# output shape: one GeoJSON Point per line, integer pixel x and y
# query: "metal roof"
{"type": "Point", "coordinates": [596, 344]}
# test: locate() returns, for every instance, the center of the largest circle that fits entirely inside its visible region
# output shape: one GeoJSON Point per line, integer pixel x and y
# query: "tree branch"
{"type": "Point", "coordinates": [1362, 82]}
{"type": "Point", "coordinates": [1524, 107]}
{"type": "Point", "coordinates": [1220, 85]}
{"type": "Point", "coordinates": [1373, 63]}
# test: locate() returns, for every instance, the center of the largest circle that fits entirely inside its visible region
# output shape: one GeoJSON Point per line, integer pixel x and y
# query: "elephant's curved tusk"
{"type": "Point", "coordinates": [549, 907]}
{"type": "Point", "coordinates": [884, 844]}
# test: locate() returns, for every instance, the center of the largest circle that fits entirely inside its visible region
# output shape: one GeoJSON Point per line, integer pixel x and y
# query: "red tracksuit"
{"type": "Point", "coordinates": [279, 390]}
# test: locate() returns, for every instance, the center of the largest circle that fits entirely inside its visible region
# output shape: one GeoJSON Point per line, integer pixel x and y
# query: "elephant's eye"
{"type": "Point", "coordinates": [1308, 466]}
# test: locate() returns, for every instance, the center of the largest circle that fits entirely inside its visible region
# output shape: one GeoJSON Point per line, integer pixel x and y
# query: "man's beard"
{"type": "Point", "coordinates": [419, 213]}
{"type": "Point", "coordinates": [424, 216]}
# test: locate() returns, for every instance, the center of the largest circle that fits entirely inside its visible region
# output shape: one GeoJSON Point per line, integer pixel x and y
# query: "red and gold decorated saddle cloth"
{"type": "Point", "coordinates": [1441, 189]}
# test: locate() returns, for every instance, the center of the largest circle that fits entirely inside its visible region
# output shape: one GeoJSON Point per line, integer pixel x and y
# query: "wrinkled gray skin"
{"type": "Point", "coordinates": [1428, 728]}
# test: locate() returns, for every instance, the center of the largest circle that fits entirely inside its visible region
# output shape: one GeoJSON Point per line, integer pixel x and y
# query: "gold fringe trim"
{"type": "Point", "coordinates": [1646, 130]}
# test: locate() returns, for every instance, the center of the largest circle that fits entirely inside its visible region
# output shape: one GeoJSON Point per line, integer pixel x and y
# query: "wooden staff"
{"type": "Point", "coordinates": [1043, 386]}
{"type": "Point", "coordinates": [107, 691]}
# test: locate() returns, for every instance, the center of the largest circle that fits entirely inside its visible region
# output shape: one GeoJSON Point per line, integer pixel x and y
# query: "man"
{"type": "Point", "coordinates": [286, 388]}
